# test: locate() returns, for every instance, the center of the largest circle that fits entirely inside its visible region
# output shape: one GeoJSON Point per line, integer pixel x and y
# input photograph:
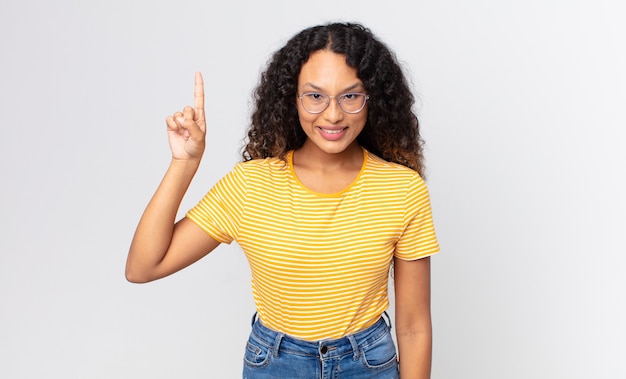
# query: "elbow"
{"type": "Point", "coordinates": [134, 279]}
{"type": "Point", "coordinates": [136, 276]}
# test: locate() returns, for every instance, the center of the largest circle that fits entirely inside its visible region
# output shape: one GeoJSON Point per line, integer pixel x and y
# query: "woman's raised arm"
{"type": "Point", "coordinates": [160, 246]}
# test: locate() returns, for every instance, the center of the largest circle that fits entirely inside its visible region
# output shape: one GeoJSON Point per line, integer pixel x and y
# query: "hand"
{"type": "Point", "coordinates": [186, 130]}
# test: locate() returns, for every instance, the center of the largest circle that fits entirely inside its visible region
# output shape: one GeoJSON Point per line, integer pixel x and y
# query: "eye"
{"type": "Point", "coordinates": [348, 97]}
{"type": "Point", "coordinates": [314, 97]}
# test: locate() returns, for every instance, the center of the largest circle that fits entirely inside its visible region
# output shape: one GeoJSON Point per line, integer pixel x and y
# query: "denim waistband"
{"type": "Point", "coordinates": [327, 348]}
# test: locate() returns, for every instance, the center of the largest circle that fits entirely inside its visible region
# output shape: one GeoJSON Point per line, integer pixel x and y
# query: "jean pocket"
{"type": "Point", "coordinates": [381, 354]}
{"type": "Point", "coordinates": [256, 354]}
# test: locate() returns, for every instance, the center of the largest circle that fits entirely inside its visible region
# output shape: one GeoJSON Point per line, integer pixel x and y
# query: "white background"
{"type": "Point", "coordinates": [522, 106]}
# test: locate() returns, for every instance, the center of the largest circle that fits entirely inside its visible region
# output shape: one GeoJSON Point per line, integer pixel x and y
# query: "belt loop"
{"type": "Point", "coordinates": [254, 318]}
{"type": "Point", "coordinates": [277, 341]}
{"type": "Point", "coordinates": [386, 317]}
{"type": "Point", "coordinates": [355, 346]}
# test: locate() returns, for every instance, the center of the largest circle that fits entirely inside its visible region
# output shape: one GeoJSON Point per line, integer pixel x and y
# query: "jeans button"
{"type": "Point", "coordinates": [324, 349]}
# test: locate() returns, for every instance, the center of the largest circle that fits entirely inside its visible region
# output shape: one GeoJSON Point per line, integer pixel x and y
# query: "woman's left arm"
{"type": "Point", "coordinates": [413, 322]}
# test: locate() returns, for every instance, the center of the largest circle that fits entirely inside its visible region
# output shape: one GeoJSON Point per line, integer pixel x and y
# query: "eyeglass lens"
{"type": "Point", "coordinates": [315, 102]}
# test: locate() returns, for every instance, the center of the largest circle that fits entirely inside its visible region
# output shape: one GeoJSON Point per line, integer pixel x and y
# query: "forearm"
{"type": "Point", "coordinates": [415, 353]}
{"type": "Point", "coordinates": [413, 319]}
{"type": "Point", "coordinates": [154, 231]}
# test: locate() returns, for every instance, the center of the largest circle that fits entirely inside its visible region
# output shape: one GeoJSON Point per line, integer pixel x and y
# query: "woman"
{"type": "Point", "coordinates": [328, 196]}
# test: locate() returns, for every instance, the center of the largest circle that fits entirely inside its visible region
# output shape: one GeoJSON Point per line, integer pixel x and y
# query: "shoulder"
{"type": "Point", "coordinates": [390, 170]}
{"type": "Point", "coordinates": [394, 177]}
{"type": "Point", "coordinates": [261, 168]}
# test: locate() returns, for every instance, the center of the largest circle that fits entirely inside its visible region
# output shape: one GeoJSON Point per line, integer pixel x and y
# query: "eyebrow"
{"type": "Point", "coordinates": [347, 89]}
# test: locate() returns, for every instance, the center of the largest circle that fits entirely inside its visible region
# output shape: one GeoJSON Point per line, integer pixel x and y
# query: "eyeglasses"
{"type": "Point", "coordinates": [315, 102]}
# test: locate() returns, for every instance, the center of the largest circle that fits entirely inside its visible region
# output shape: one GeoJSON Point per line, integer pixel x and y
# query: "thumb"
{"type": "Point", "coordinates": [191, 129]}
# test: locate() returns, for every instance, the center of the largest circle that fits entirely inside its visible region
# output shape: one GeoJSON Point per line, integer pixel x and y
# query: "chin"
{"type": "Point", "coordinates": [336, 148]}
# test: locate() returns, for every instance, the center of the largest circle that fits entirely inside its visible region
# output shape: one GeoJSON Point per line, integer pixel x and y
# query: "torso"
{"type": "Point", "coordinates": [319, 260]}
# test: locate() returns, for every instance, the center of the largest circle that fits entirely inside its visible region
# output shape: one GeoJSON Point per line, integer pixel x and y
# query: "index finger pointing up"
{"type": "Point", "coordinates": [198, 97]}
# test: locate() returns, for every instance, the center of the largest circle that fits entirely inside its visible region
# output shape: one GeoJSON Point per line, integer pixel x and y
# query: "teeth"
{"type": "Point", "coordinates": [329, 131]}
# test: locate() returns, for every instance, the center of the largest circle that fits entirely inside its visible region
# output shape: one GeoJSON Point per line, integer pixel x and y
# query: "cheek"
{"type": "Point", "coordinates": [360, 119]}
{"type": "Point", "coordinates": [306, 118]}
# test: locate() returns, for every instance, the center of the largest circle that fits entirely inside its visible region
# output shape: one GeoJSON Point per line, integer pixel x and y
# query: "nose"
{"type": "Point", "coordinates": [333, 113]}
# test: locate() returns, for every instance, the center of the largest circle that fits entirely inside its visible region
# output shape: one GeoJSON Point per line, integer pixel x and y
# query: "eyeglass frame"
{"type": "Point", "coordinates": [329, 98]}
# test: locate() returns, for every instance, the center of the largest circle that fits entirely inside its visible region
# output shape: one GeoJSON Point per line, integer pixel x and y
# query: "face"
{"type": "Point", "coordinates": [332, 131]}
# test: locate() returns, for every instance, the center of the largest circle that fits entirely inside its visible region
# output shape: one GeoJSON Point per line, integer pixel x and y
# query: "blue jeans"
{"type": "Point", "coordinates": [370, 353]}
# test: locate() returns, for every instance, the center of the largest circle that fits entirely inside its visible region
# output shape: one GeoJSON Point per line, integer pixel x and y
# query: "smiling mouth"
{"type": "Point", "coordinates": [333, 131]}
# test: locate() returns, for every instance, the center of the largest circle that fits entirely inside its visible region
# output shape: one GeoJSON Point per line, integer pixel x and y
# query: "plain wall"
{"type": "Point", "coordinates": [522, 107]}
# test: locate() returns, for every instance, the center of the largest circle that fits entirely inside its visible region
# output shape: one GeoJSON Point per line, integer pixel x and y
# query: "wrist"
{"type": "Point", "coordinates": [185, 163]}
{"type": "Point", "coordinates": [184, 168]}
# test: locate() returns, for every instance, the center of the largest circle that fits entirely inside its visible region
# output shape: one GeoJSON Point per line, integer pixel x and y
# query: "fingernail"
{"type": "Point", "coordinates": [180, 119]}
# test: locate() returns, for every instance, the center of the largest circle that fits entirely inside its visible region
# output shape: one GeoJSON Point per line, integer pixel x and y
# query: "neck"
{"type": "Point", "coordinates": [309, 155]}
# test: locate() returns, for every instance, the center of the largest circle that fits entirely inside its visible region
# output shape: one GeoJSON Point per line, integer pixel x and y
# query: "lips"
{"type": "Point", "coordinates": [332, 134]}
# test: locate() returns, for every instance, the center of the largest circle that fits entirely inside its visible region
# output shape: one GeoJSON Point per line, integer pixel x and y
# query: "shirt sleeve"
{"type": "Point", "coordinates": [220, 210]}
{"type": "Point", "coordinates": [418, 239]}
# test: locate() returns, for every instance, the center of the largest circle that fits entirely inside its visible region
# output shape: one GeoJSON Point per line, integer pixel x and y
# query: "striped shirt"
{"type": "Point", "coordinates": [320, 262]}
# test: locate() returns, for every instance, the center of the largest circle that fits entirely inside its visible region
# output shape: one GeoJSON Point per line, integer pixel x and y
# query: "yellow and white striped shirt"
{"type": "Point", "coordinates": [320, 262]}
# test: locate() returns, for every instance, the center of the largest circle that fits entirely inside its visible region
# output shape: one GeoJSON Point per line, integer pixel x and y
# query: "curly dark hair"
{"type": "Point", "coordinates": [392, 128]}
